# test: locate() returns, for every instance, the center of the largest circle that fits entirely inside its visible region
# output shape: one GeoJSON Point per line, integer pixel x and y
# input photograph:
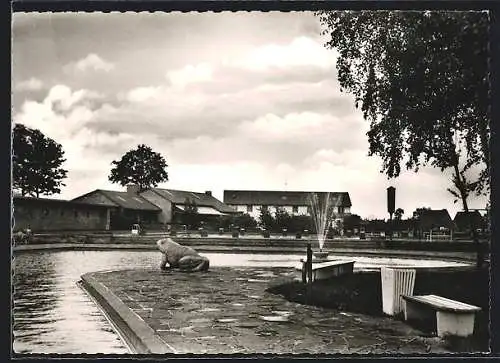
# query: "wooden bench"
{"type": "Point", "coordinates": [451, 317]}
{"type": "Point", "coordinates": [328, 269]}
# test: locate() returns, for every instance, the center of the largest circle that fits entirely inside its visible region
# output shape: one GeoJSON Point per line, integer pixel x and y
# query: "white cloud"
{"type": "Point", "coordinates": [272, 127]}
{"type": "Point", "coordinates": [190, 74]}
{"type": "Point", "coordinates": [62, 97]}
{"type": "Point", "coordinates": [142, 94]}
{"type": "Point", "coordinates": [63, 116]}
{"type": "Point", "coordinates": [32, 84]}
{"type": "Point", "coordinates": [302, 51]}
{"type": "Point", "coordinates": [91, 62]}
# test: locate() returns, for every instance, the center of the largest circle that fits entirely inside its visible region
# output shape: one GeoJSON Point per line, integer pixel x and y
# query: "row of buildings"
{"type": "Point", "coordinates": [425, 220]}
{"type": "Point", "coordinates": [156, 207]}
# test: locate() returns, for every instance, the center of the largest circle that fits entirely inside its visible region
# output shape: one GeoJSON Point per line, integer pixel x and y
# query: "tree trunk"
{"type": "Point", "coordinates": [462, 188]}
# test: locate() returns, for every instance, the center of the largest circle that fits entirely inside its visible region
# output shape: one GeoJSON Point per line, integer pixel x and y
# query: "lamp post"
{"type": "Point", "coordinates": [391, 202]}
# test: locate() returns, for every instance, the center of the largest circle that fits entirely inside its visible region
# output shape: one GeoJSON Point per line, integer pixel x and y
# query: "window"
{"type": "Point", "coordinates": [88, 214]}
{"type": "Point", "coordinates": [76, 213]}
{"type": "Point", "coordinates": [341, 210]}
{"type": "Point", "coordinates": [62, 212]}
{"type": "Point", "coordinates": [249, 208]}
{"type": "Point", "coordinates": [295, 209]}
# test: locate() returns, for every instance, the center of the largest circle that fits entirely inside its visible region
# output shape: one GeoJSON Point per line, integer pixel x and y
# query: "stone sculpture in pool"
{"type": "Point", "coordinates": [182, 257]}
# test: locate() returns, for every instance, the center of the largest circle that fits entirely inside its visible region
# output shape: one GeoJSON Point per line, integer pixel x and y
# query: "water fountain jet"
{"type": "Point", "coordinates": [322, 212]}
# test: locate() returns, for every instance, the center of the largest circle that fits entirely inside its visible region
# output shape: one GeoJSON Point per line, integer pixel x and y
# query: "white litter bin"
{"type": "Point", "coordinates": [396, 282]}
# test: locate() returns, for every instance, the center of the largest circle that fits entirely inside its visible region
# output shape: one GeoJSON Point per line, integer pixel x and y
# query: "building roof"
{"type": "Point", "coordinates": [462, 221]}
{"type": "Point", "coordinates": [434, 218]}
{"type": "Point", "coordinates": [278, 198]}
{"type": "Point", "coordinates": [71, 203]}
{"type": "Point", "coordinates": [201, 199]}
{"type": "Point", "coordinates": [204, 210]}
{"type": "Point", "coordinates": [124, 200]}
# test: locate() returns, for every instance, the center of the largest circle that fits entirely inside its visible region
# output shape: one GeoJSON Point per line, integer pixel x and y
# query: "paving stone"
{"type": "Point", "coordinates": [221, 312]}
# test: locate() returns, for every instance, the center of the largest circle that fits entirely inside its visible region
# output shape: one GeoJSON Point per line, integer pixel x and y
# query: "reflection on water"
{"type": "Point", "coordinates": [53, 315]}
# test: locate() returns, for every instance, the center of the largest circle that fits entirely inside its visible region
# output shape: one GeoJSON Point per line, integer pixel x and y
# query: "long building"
{"type": "Point", "coordinates": [294, 202]}
{"type": "Point", "coordinates": [45, 214]}
{"type": "Point", "coordinates": [154, 206]}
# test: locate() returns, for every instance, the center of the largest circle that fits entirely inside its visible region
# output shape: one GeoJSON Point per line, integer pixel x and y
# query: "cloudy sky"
{"type": "Point", "coordinates": [231, 100]}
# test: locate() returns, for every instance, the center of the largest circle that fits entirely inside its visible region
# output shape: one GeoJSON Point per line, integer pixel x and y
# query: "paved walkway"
{"type": "Point", "coordinates": [228, 311]}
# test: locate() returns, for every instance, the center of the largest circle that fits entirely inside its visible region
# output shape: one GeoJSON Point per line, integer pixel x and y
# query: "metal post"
{"type": "Point", "coordinates": [309, 263]}
{"type": "Point", "coordinates": [390, 226]}
{"type": "Point", "coordinates": [309, 273]}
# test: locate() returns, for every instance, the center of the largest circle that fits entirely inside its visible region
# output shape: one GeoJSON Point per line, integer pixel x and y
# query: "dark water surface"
{"type": "Point", "coordinates": [53, 315]}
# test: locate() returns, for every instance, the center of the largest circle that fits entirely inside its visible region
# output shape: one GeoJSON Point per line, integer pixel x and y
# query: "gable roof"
{"type": "Point", "coordinates": [58, 202]}
{"type": "Point", "coordinates": [201, 199]}
{"type": "Point", "coordinates": [277, 198]}
{"type": "Point", "coordinates": [434, 218]}
{"type": "Point", "coordinates": [462, 221]}
{"type": "Point", "coordinates": [123, 199]}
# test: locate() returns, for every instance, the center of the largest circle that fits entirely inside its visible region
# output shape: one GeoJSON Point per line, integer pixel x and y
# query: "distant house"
{"type": "Point", "coordinates": [375, 226]}
{"type": "Point", "coordinates": [427, 220]}
{"type": "Point", "coordinates": [293, 202]}
{"type": "Point", "coordinates": [154, 206]}
{"type": "Point", "coordinates": [173, 203]}
{"type": "Point", "coordinates": [463, 223]}
{"type": "Point", "coordinates": [45, 214]}
{"type": "Point", "coordinates": [128, 207]}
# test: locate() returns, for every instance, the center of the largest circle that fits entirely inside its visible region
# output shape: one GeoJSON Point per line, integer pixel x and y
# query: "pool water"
{"type": "Point", "coordinates": [53, 315]}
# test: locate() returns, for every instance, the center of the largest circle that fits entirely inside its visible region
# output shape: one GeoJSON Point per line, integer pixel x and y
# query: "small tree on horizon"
{"type": "Point", "coordinates": [244, 220]}
{"type": "Point", "coordinates": [36, 163]}
{"type": "Point", "coordinates": [141, 166]}
{"type": "Point", "coordinates": [190, 215]}
{"type": "Point", "coordinates": [282, 220]}
{"type": "Point", "coordinates": [266, 220]}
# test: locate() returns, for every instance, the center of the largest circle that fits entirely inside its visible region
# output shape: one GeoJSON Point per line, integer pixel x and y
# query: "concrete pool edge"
{"type": "Point", "coordinates": [431, 255]}
{"type": "Point", "coordinates": [138, 335]}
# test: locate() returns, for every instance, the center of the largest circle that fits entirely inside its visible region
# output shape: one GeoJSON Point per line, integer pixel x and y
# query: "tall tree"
{"type": "Point", "coordinates": [141, 166]}
{"type": "Point", "coordinates": [36, 163]}
{"type": "Point", "coordinates": [421, 79]}
{"type": "Point", "coordinates": [398, 214]}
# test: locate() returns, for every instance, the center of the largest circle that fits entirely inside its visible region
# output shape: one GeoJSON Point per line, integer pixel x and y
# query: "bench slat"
{"type": "Point", "coordinates": [442, 303]}
{"type": "Point", "coordinates": [316, 266]}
